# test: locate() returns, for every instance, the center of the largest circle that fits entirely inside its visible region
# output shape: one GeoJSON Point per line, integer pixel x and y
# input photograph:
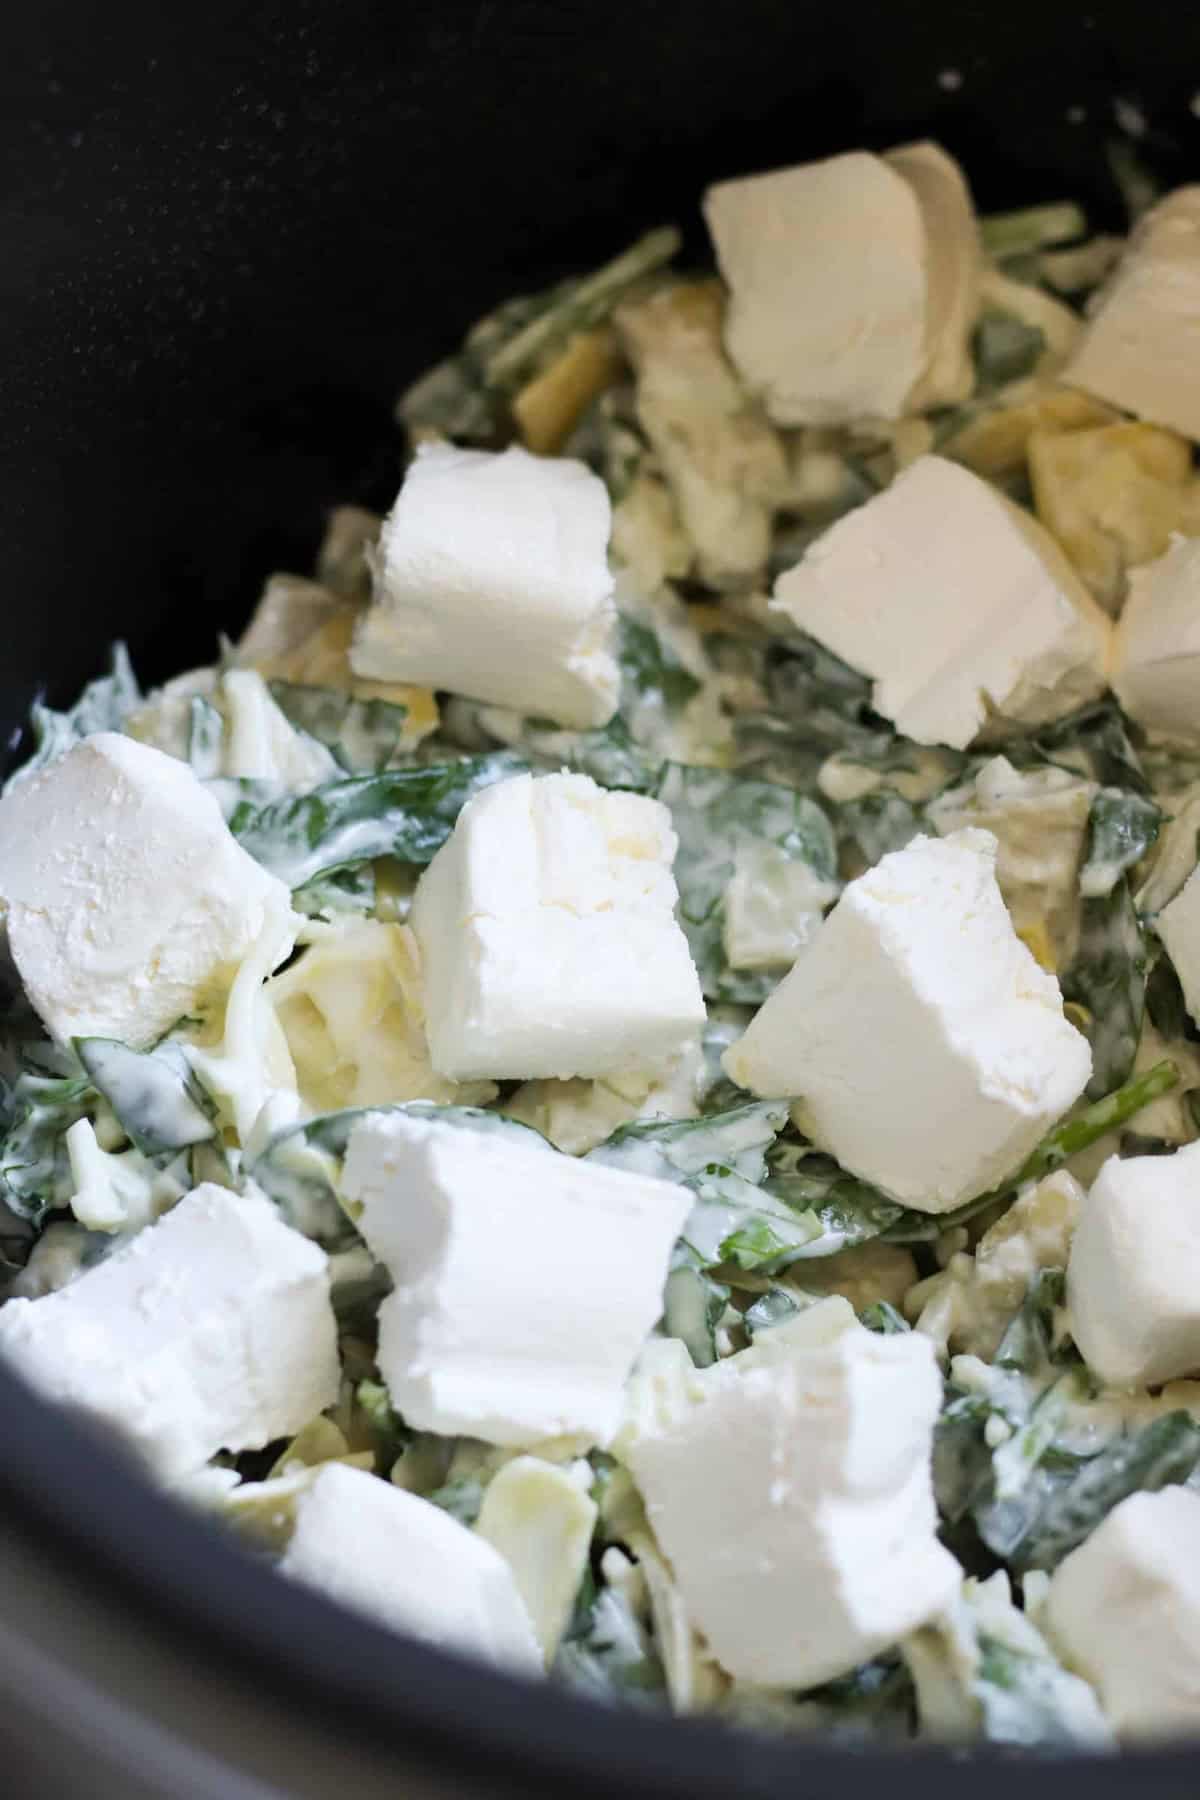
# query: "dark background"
{"type": "Point", "coordinates": [230, 230]}
{"type": "Point", "coordinates": [227, 233]}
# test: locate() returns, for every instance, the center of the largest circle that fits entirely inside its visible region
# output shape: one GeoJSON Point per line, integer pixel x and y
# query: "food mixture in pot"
{"type": "Point", "coordinates": [616, 1085]}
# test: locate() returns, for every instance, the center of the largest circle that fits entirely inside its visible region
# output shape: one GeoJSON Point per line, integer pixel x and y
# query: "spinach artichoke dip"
{"type": "Point", "coordinates": [616, 1085]}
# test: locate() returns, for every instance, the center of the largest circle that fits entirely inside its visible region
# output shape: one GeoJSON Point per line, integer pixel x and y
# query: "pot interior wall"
{"type": "Point", "coordinates": [232, 231]}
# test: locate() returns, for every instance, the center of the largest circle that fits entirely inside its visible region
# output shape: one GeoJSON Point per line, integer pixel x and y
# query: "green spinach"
{"type": "Point", "coordinates": [406, 813]}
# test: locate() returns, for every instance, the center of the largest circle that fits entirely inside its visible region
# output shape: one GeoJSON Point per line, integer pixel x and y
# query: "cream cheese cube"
{"type": "Point", "coordinates": [956, 603]}
{"type": "Point", "coordinates": [210, 1330]}
{"type": "Point", "coordinates": [854, 284]}
{"type": "Point", "coordinates": [526, 1281]}
{"type": "Point", "coordinates": [1124, 1610]}
{"type": "Point", "coordinates": [126, 899]}
{"type": "Point", "coordinates": [492, 580]}
{"type": "Point", "coordinates": [1138, 350]}
{"type": "Point", "coordinates": [408, 1565]}
{"type": "Point", "coordinates": [1156, 648]}
{"type": "Point", "coordinates": [1133, 1281]}
{"type": "Point", "coordinates": [548, 936]}
{"type": "Point", "coordinates": [793, 1498]}
{"type": "Point", "coordinates": [924, 1045]}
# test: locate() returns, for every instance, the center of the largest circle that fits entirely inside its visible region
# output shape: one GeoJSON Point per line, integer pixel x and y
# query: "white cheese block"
{"type": "Point", "coordinates": [211, 1330]}
{"type": "Point", "coordinates": [1138, 350]}
{"type": "Point", "coordinates": [925, 1047]}
{"type": "Point", "coordinates": [126, 898]}
{"type": "Point", "coordinates": [1124, 1610]}
{"type": "Point", "coordinates": [492, 580]}
{"type": "Point", "coordinates": [793, 1498]}
{"type": "Point", "coordinates": [526, 1281]}
{"type": "Point", "coordinates": [853, 284]}
{"type": "Point", "coordinates": [548, 936]}
{"type": "Point", "coordinates": [1133, 1281]}
{"type": "Point", "coordinates": [1156, 647]}
{"type": "Point", "coordinates": [408, 1565]}
{"type": "Point", "coordinates": [1178, 925]}
{"type": "Point", "coordinates": [955, 602]}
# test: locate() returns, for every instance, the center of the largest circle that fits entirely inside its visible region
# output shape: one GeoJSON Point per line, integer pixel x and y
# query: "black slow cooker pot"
{"type": "Point", "coordinates": [229, 232]}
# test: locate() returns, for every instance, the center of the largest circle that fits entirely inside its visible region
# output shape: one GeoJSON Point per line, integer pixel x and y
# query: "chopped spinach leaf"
{"type": "Point", "coordinates": [1064, 1502]}
{"type": "Point", "coordinates": [1108, 976]}
{"type": "Point", "coordinates": [607, 1653]}
{"type": "Point", "coordinates": [1122, 827]}
{"type": "Point", "coordinates": [157, 1099]}
{"type": "Point", "coordinates": [104, 705]}
{"type": "Point", "coordinates": [735, 833]}
{"type": "Point", "coordinates": [35, 1174]}
{"type": "Point", "coordinates": [1005, 348]}
{"type": "Point", "coordinates": [406, 813]}
{"type": "Point", "coordinates": [735, 1222]}
{"type": "Point", "coordinates": [693, 1304]}
{"type": "Point", "coordinates": [363, 735]}
{"type": "Point", "coordinates": [651, 667]}
{"type": "Point", "coordinates": [883, 1318]}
